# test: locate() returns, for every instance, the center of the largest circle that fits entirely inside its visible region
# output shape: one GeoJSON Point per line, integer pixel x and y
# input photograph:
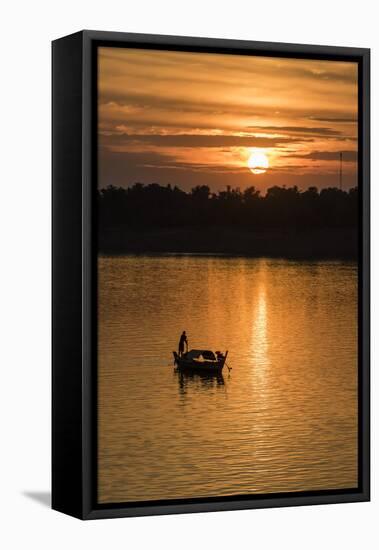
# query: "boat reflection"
{"type": "Point", "coordinates": [198, 380]}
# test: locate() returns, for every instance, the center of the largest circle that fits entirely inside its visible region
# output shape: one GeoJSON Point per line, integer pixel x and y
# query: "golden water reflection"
{"type": "Point", "coordinates": [284, 418]}
{"type": "Point", "coordinates": [259, 341]}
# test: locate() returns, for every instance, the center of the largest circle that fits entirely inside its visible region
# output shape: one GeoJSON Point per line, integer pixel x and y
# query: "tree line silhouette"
{"type": "Point", "coordinates": [141, 207]}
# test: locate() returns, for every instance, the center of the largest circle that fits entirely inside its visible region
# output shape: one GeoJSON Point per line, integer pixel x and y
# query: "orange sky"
{"type": "Point", "coordinates": [193, 119]}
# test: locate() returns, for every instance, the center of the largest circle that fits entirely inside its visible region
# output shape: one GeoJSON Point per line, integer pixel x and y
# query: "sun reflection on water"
{"type": "Point", "coordinates": [259, 340]}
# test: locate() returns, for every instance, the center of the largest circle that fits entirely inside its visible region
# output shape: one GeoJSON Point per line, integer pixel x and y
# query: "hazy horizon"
{"type": "Point", "coordinates": [214, 191]}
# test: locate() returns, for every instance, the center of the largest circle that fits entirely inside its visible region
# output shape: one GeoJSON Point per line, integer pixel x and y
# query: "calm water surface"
{"type": "Point", "coordinates": [283, 419]}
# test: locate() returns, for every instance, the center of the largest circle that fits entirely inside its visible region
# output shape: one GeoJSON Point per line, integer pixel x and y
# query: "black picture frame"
{"type": "Point", "coordinates": [74, 150]}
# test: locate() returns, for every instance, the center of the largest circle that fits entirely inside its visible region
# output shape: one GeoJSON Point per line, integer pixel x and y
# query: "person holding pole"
{"type": "Point", "coordinates": [183, 340]}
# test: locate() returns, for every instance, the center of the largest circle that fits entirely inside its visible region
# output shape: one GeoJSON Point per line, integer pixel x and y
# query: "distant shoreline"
{"type": "Point", "coordinates": [227, 241]}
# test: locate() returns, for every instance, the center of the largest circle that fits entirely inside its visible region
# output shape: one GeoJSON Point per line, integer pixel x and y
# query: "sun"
{"type": "Point", "coordinates": [258, 162]}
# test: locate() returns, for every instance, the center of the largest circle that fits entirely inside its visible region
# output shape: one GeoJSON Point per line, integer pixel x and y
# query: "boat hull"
{"type": "Point", "coordinates": [205, 367]}
{"type": "Point", "coordinates": [185, 367]}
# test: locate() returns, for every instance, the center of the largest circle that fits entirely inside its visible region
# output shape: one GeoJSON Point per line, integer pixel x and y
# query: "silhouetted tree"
{"type": "Point", "coordinates": [282, 208]}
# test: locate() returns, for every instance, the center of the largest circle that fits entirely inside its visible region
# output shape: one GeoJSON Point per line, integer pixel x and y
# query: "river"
{"type": "Point", "coordinates": [283, 419]}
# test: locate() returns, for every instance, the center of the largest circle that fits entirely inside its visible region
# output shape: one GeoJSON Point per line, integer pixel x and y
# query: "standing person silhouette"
{"type": "Point", "coordinates": [183, 340]}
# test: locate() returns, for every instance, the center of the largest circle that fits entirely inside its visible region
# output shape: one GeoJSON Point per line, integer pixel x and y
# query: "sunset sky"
{"type": "Point", "coordinates": [195, 119]}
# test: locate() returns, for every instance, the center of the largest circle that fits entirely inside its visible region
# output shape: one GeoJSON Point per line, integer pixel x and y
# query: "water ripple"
{"type": "Point", "coordinates": [284, 419]}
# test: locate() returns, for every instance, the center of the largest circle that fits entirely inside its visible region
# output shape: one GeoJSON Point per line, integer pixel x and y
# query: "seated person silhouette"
{"type": "Point", "coordinates": [183, 340]}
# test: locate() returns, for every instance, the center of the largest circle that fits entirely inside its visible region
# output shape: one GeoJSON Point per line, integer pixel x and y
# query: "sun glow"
{"type": "Point", "coordinates": [258, 162]}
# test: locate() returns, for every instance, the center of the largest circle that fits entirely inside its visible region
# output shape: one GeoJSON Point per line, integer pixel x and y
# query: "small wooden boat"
{"type": "Point", "coordinates": [201, 360]}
